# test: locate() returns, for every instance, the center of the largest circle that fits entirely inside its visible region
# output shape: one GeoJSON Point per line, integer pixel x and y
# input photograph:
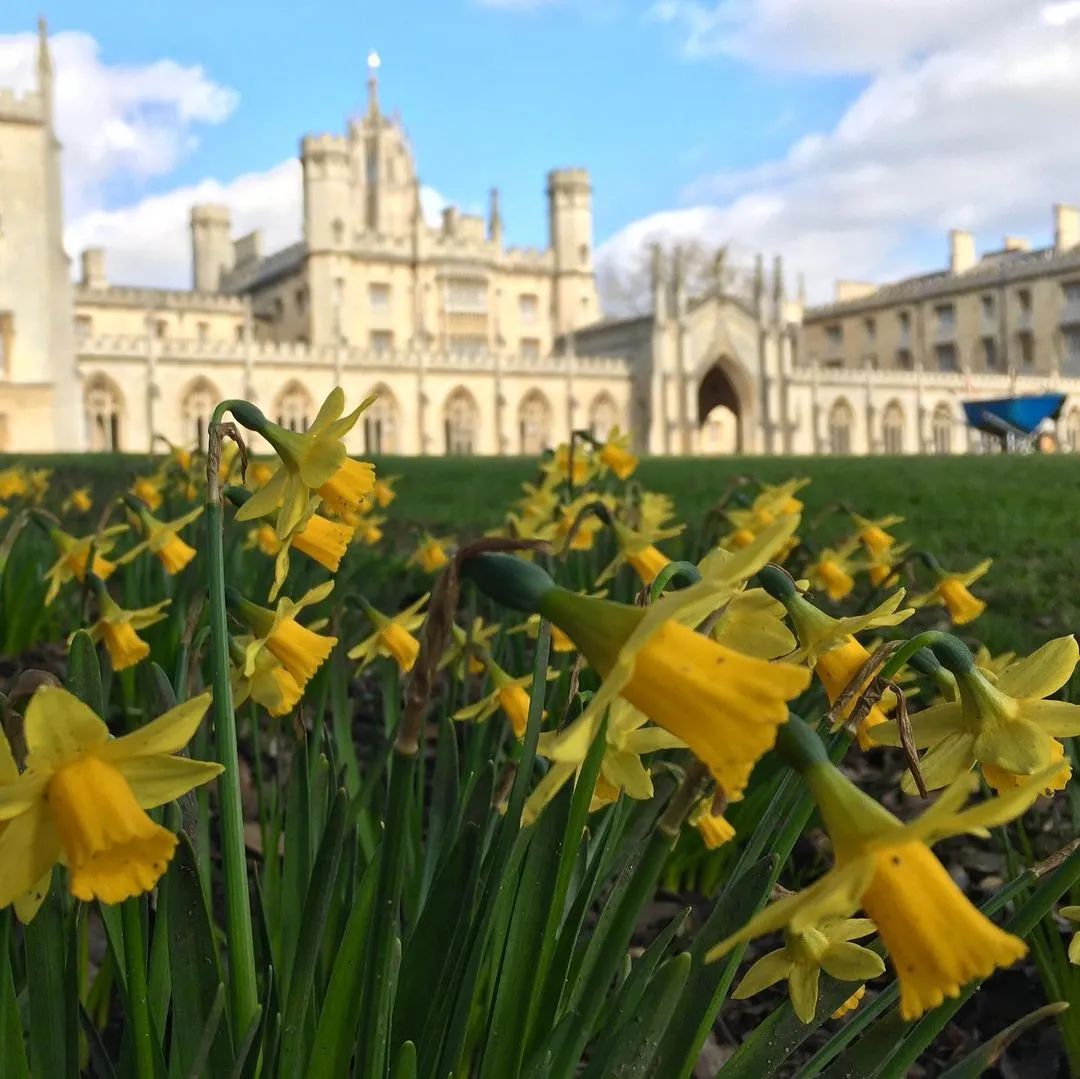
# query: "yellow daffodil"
{"type": "Point", "coordinates": [575, 467]}
{"type": "Point", "coordinates": [117, 628]}
{"type": "Point", "coordinates": [872, 534]}
{"type": "Point", "coordinates": [322, 540]}
{"type": "Point", "coordinates": [952, 593]}
{"type": "Point", "coordinates": [639, 550]}
{"type": "Point", "coordinates": [83, 796]}
{"type": "Point", "coordinates": [74, 554]}
{"type": "Point", "coordinates": [507, 693]}
{"type": "Point", "coordinates": [259, 474]}
{"type": "Point", "coordinates": [540, 500]}
{"type": "Point", "coordinates": [850, 1004]}
{"type": "Point", "coordinates": [629, 737]}
{"type": "Point", "coordinates": [13, 483]}
{"type": "Point", "coordinates": [829, 646]}
{"type": "Point", "coordinates": [26, 904]}
{"type": "Point", "coordinates": [300, 650]}
{"type": "Point", "coordinates": [162, 538]}
{"type": "Point", "coordinates": [560, 642]}
{"type": "Point", "coordinates": [383, 492]}
{"type": "Point", "coordinates": [268, 684]}
{"type": "Point", "coordinates": [78, 501]}
{"type": "Point", "coordinates": [653, 511]}
{"type": "Point", "coordinates": [38, 482]}
{"type": "Point", "coordinates": [881, 568]}
{"type": "Point", "coordinates": [368, 528]}
{"type": "Point", "coordinates": [834, 571]}
{"type": "Point", "coordinates": [937, 941]}
{"type": "Point", "coordinates": [993, 666]}
{"type": "Point", "coordinates": [1007, 727]}
{"type": "Point", "coordinates": [264, 538]}
{"type": "Point", "coordinates": [312, 462]}
{"type": "Point", "coordinates": [779, 499]}
{"type": "Point", "coordinates": [615, 454]}
{"type": "Point", "coordinates": [147, 489]}
{"type": "Point", "coordinates": [1073, 914]}
{"type": "Point", "coordinates": [713, 827]}
{"type": "Point", "coordinates": [753, 622]}
{"type": "Point", "coordinates": [393, 636]}
{"type": "Point", "coordinates": [806, 953]}
{"type": "Point", "coordinates": [431, 555]}
{"type": "Point", "coordinates": [468, 648]}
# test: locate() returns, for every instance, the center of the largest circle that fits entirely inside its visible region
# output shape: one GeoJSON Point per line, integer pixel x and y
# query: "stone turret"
{"type": "Point", "coordinates": [571, 229]}
{"type": "Point", "coordinates": [212, 253]}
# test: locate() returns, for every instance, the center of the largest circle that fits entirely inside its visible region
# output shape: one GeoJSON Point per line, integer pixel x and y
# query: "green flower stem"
{"type": "Point", "coordinates": [241, 948]}
{"type": "Point", "coordinates": [137, 993]}
{"type": "Point", "coordinates": [799, 745]}
{"type": "Point", "coordinates": [951, 653]}
{"type": "Point", "coordinates": [686, 571]}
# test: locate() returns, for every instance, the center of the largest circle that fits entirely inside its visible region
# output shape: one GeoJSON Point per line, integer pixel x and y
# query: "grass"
{"type": "Point", "coordinates": [1022, 511]}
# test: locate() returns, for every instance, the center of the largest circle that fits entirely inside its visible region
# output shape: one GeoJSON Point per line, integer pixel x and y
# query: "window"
{"type": "Point", "coordinates": [294, 408]}
{"type": "Point", "coordinates": [946, 357]}
{"type": "Point", "coordinates": [103, 407]}
{"type": "Point", "coordinates": [528, 307]}
{"type": "Point", "coordinates": [1070, 362]}
{"type": "Point", "coordinates": [339, 291]}
{"type": "Point", "coordinates": [461, 423]}
{"type": "Point", "coordinates": [84, 325]}
{"type": "Point", "coordinates": [603, 416]}
{"type": "Point", "coordinates": [469, 343]}
{"type": "Point", "coordinates": [465, 294]}
{"type": "Point", "coordinates": [945, 314]}
{"type": "Point", "coordinates": [1023, 298]}
{"type": "Point", "coordinates": [1071, 291]}
{"type": "Point", "coordinates": [301, 300]}
{"type": "Point", "coordinates": [904, 359]}
{"type": "Point", "coordinates": [161, 328]}
{"type": "Point", "coordinates": [197, 406]}
{"type": "Point", "coordinates": [834, 336]}
{"type": "Point", "coordinates": [338, 229]}
{"type": "Point", "coordinates": [279, 308]}
{"type": "Point", "coordinates": [892, 429]}
{"type": "Point", "coordinates": [534, 422]}
{"type": "Point", "coordinates": [381, 341]}
{"type": "Point", "coordinates": [7, 340]}
{"type": "Point", "coordinates": [583, 254]}
{"type": "Point", "coordinates": [1072, 430]}
{"type": "Point", "coordinates": [941, 426]}
{"type": "Point", "coordinates": [530, 348]}
{"type": "Point", "coordinates": [378, 296]}
{"type": "Point", "coordinates": [870, 325]}
{"type": "Point", "coordinates": [904, 318]}
{"type": "Point", "coordinates": [991, 356]}
{"type": "Point", "coordinates": [241, 333]}
{"type": "Point", "coordinates": [202, 331]}
{"type": "Point", "coordinates": [1026, 341]}
{"type": "Point", "coordinates": [987, 303]}
{"type": "Point", "coordinates": [841, 422]}
{"type": "Point", "coordinates": [380, 423]}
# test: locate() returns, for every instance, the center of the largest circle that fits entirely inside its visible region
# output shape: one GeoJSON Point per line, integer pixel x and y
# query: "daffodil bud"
{"type": "Point", "coordinates": [513, 582]}
{"type": "Point", "coordinates": [247, 415]}
{"type": "Point", "coordinates": [777, 583]}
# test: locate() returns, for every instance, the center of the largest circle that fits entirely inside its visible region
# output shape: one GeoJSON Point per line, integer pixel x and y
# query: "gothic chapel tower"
{"type": "Point", "coordinates": [40, 396]}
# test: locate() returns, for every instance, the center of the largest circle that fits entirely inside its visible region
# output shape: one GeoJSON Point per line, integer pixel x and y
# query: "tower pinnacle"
{"type": "Point", "coordinates": [373, 65]}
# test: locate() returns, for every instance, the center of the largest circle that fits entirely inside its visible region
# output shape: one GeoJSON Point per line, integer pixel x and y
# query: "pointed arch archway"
{"type": "Point", "coordinates": [382, 422]}
{"type": "Point", "coordinates": [197, 404]}
{"type": "Point", "coordinates": [721, 421]}
{"type": "Point", "coordinates": [534, 423]}
{"type": "Point", "coordinates": [461, 422]}
{"type": "Point", "coordinates": [103, 406]}
{"type": "Point", "coordinates": [294, 408]}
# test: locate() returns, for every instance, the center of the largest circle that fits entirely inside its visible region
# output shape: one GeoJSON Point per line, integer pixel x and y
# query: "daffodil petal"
{"type": "Point", "coordinates": [803, 989]}
{"type": "Point", "coordinates": [851, 962]}
{"type": "Point", "coordinates": [158, 779]}
{"type": "Point", "coordinates": [57, 726]}
{"type": "Point", "coordinates": [166, 734]}
{"type": "Point", "coordinates": [266, 499]}
{"type": "Point", "coordinates": [849, 929]}
{"type": "Point", "coordinates": [651, 740]}
{"type": "Point", "coordinates": [1015, 745]}
{"type": "Point", "coordinates": [625, 770]}
{"type": "Point", "coordinates": [9, 771]}
{"type": "Point", "coordinates": [952, 756]}
{"type": "Point", "coordinates": [928, 727]}
{"type": "Point", "coordinates": [1044, 672]}
{"type": "Point", "coordinates": [29, 847]}
{"type": "Point", "coordinates": [1060, 719]}
{"type": "Point", "coordinates": [29, 903]}
{"type": "Point", "coordinates": [988, 814]}
{"type": "Point", "coordinates": [768, 970]}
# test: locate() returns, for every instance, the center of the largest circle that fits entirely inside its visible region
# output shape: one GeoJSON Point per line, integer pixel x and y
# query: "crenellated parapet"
{"type": "Point", "coordinates": [160, 299]}
{"type": "Point", "coordinates": [26, 108]}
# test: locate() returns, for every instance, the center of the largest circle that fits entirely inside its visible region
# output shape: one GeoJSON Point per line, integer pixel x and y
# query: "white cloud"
{"type": "Point", "coordinates": [126, 122]}
{"type": "Point", "coordinates": [959, 127]}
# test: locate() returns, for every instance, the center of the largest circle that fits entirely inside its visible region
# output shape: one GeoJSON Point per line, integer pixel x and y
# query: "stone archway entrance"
{"type": "Point", "coordinates": [719, 414]}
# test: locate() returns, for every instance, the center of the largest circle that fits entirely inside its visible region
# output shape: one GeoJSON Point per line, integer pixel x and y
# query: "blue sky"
{"type": "Point", "coordinates": [847, 134]}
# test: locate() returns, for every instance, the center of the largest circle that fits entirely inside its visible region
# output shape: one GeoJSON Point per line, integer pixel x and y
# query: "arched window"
{"type": "Point", "coordinates": [197, 406]}
{"type": "Point", "coordinates": [381, 423]}
{"type": "Point", "coordinates": [462, 422]}
{"type": "Point", "coordinates": [103, 405]}
{"type": "Point", "coordinates": [841, 424]}
{"type": "Point", "coordinates": [339, 230]}
{"type": "Point", "coordinates": [295, 409]}
{"type": "Point", "coordinates": [941, 425]}
{"type": "Point", "coordinates": [1072, 430]}
{"type": "Point", "coordinates": [534, 421]}
{"type": "Point", "coordinates": [603, 416]}
{"type": "Point", "coordinates": [892, 428]}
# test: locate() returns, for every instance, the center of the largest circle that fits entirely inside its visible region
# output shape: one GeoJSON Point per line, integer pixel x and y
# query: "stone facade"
{"type": "Point", "coordinates": [474, 347]}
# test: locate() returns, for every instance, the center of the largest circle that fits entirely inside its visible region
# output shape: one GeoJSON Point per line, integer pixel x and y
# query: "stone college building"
{"type": "Point", "coordinates": [476, 347]}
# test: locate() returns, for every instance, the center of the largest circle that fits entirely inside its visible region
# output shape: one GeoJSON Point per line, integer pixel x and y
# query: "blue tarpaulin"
{"type": "Point", "coordinates": [1021, 415]}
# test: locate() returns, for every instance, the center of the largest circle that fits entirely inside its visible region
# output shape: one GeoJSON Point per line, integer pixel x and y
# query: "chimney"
{"type": "Point", "coordinates": [961, 251]}
{"type": "Point", "coordinates": [1017, 243]}
{"type": "Point", "coordinates": [93, 268]}
{"type": "Point", "coordinates": [854, 290]}
{"type": "Point", "coordinates": [1066, 227]}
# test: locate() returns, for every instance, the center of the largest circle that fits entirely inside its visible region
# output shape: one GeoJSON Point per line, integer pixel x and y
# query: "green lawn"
{"type": "Point", "coordinates": [1022, 511]}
